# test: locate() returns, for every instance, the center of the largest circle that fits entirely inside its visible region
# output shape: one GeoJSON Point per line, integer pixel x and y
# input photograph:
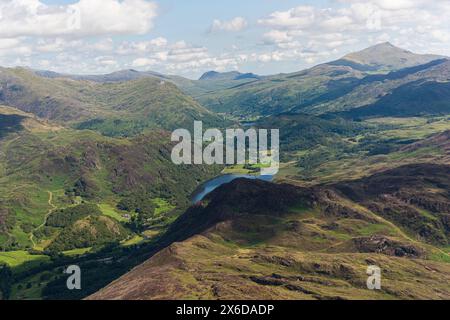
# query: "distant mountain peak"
{"type": "Point", "coordinates": [386, 44]}
{"type": "Point", "coordinates": [384, 57]}
{"type": "Point", "coordinates": [231, 75]}
{"type": "Point", "coordinates": [380, 48]}
{"type": "Point", "coordinates": [214, 75]}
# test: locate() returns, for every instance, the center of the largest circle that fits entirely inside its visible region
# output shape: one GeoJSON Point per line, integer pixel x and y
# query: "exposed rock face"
{"type": "Point", "coordinates": [403, 196]}
{"type": "Point", "coordinates": [378, 244]}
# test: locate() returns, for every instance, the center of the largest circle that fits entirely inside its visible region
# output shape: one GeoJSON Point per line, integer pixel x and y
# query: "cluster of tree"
{"type": "Point", "coordinates": [65, 217]}
{"type": "Point", "coordinates": [93, 232]}
{"type": "Point", "coordinates": [376, 145]}
{"type": "Point", "coordinates": [10, 123]}
{"type": "Point", "coordinates": [141, 207]}
{"type": "Point", "coordinates": [86, 188]}
{"type": "Point", "coordinates": [116, 127]}
{"type": "Point", "coordinates": [7, 222]}
{"type": "Point", "coordinates": [6, 281]}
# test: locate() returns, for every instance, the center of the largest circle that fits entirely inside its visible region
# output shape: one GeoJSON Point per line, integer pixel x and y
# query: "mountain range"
{"type": "Point", "coordinates": [113, 108]}
{"type": "Point", "coordinates": [86, 178]}
{"type": "Point", "coordinates": [364, 81]}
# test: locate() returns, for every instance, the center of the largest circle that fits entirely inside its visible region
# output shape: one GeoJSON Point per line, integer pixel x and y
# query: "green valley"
{"type": "Point", "coordinates": [87, 179]}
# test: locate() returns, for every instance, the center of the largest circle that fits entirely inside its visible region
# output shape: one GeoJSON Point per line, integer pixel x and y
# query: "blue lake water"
{"type": "Point", "coordinates": [213, 184]}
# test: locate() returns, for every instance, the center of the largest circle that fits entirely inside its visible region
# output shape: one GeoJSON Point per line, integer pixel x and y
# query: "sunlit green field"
{"type": "Point", "coordinates": [17, 258]}
{"type": "Point", "coordinates": [108, 210]}
{"type": "Point", "coordinates": [135, 240]}
{"type": "Point", "coordinates": [331, 164]}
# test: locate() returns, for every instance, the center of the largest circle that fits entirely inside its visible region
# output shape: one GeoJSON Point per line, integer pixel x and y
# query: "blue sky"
{"type": "Point", "coordinates": [189, 37]}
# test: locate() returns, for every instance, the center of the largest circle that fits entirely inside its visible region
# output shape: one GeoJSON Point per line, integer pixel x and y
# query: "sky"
{"type": "Point", "coordinates": [190, 37]}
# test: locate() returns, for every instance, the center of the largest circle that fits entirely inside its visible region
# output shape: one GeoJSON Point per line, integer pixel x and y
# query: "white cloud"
{"type": "Point", "coordinates": [159, 42]}
{"type": "Point", "coordinates": [277, 36]}
{"type": "Point", "coordinates": [441, 35]}
{"type": "Point", "coordinates": [299, 17]}
{"type": "Point", "coordinates": [51, 36]}
{"type": "Point", "coordinates": [57, 45]}
{"type": "Point", "coordinates": [187, 54]}
{"type": "Point", "coordinates": [143, 62]}
{"type": "Point", "coordinates": [153, 45]}
{"type": "Point", "coordinates": [106, 61]}
{"type": "Point", "coordinates": [44, 63]}
{"type": "Point", "coordinates": [106, 45]}
{"type": "Point", "coordinates": [334, 23]}
{"type": "Point", "coordinates": [14, 47]}
{"type": "Point", "coordinates": [85, 17]}
{"type": "Point", "coordinates": [176, 57]}
{"type": "Point", "coordinates": [9, 43]}
{"type": "Point", "coordinates": [234, 25]}
{"type": "Point", "coordinates": [353, 24]}
{"type": "Point", "coordinates": [393, 5]}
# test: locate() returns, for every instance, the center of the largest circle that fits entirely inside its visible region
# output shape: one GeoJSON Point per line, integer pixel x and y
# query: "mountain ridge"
{"type": "Point", "coordinates": [249, 251]}
{"type": "Point", "coordinates": [326, 88]}
{"type": "Point", "coordinates": [136, 105]}
{"type": "Point", "coordinates": [363, 180]}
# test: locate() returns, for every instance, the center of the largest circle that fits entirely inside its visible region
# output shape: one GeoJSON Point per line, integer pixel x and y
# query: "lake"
{"type": "Point", "coordinates": [213, 184]}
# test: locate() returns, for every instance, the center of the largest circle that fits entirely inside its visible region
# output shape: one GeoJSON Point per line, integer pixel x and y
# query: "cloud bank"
{"type": "Point", "coordinates": [96, 36]}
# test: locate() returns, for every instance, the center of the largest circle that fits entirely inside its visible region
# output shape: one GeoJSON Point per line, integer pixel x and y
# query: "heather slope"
{"type": "Point", "coordinates": [44, 166]}
{"type": "Point", "coordinates": [301, 243]}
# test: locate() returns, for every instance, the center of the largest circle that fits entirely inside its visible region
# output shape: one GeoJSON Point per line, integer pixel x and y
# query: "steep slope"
{"type": "Point", "coordinates": [358, 80]}
{"type": "Point", "coordinates": [297, 243]}
{"type": "Point", "coordinates": [411, 99]}
{"type": "Point", "coordinates": [386, 95]}
{"type": "Point", "coordinates": [402, 195]}
{"type": "Point", "coordinates": [441, 141]}
{"type": "Point", "coordinates": [277, 94]}
{"type": "Point", "coordinates": [44, 166]}
{"type": "Point", "coordinates": [304, 132]}
{"type": "Point", "coordinates": [147, 104]}
{"type": "Point", "coordinates": [113, 108]}
{"type": "Point", "coordinates": [64, 100]}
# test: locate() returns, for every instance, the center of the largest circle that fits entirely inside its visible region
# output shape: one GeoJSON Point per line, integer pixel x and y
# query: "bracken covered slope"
{"type": "Point", "coordinates": [257, 240]}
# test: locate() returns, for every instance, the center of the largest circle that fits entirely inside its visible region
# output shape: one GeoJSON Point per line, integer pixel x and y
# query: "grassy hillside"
{"type": "Point", "coordinates": [148, 104]}
{"type": "Point", "coordinates": [113, 108]}
{"type": "Point", "coordinates": [380, 144]}
{"type": "Point", "coordinates": [89, 232]}
{"type": "Point", "coordinates": [412, 99]}
{"type": "Point", "coordinates": [277, 94]}
{"type": "Point", "coordinates": [386, 87]}
{"type": "Point", "coordinates": [296, 243]}
{"type": "Point", "coordinates": [44, 168]}
{"type": "Point", "coordinates": [210, 81]}
{"type": "Point", "coordinates": [300, 132]}
{"type": "Point", "coordinates": [86, 178]}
